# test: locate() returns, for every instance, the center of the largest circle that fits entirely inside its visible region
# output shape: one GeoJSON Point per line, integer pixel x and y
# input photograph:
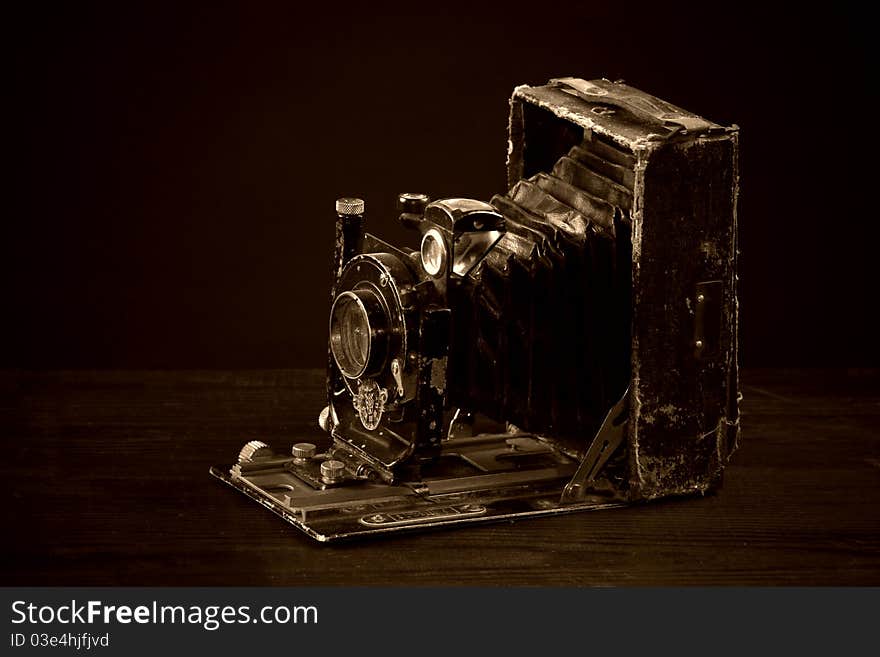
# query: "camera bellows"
{"type": "Point", "coordinates": [549, 326]}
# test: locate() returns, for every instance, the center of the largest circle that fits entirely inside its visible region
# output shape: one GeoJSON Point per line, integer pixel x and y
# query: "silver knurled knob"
{"type": "Point", "coordinates": [253, 449]}
{"type": "Point", "coordinates": [349, 206]}
{"type": "Point", "coordinates": [332, 471]}
{"type": "Point", "coordinates": [303, 450]}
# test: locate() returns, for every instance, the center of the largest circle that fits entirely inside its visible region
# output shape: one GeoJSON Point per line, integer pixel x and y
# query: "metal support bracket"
{"type": "Point", "coordinates": [605, 443]}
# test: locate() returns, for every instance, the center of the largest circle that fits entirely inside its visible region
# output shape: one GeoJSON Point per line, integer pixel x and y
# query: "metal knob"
{"type": "Point", "coordinates": [253, 450]}
{"type": "Point", "coordinates": [303, 450]}
{"type": "Point", "coordinates": [349, 206]}
{"type": "Point", "coordinates": [412, 203]}
{"type": "Point", "coordinates": [412, 208]}
{"type": "Point", "coordinates": [332, 471]}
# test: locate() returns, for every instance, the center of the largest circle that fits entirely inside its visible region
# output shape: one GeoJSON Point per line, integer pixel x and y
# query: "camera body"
{"type": "Point", "coordinates": [570, 344]}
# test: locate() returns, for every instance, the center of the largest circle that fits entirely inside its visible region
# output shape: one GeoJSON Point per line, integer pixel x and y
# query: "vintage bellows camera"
{"type": "Point", "coordinates": [569, 345]}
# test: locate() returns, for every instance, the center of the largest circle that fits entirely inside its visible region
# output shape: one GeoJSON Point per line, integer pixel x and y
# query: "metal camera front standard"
{"type": "Point", "coordinates": [569, 345]}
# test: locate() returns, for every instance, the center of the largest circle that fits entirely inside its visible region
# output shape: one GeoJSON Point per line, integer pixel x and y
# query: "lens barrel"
{"type": "Point", "coordinates": [359, 333]}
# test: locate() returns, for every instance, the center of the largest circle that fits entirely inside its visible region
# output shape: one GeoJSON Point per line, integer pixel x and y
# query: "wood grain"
{"type": "Point", "coordinates": [105, 483]}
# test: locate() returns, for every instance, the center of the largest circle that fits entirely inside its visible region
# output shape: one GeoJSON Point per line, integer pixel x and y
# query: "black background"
{"type": "Point", "coordinates": [170, 201]}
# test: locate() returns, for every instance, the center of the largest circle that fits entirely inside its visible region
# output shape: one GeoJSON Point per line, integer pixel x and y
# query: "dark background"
{"type": "Point", "coordinates": [174, 169]}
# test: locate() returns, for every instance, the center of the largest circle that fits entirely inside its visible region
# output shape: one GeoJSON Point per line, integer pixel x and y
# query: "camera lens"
{"type": "Point", "coordinates": [354, 333]}
{"type": "Point", "coordinates": [357, 332]}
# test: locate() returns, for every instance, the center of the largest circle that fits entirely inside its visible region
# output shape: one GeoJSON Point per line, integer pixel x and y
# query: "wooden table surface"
{"type": "Point", "coordinates": [105, 479]}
